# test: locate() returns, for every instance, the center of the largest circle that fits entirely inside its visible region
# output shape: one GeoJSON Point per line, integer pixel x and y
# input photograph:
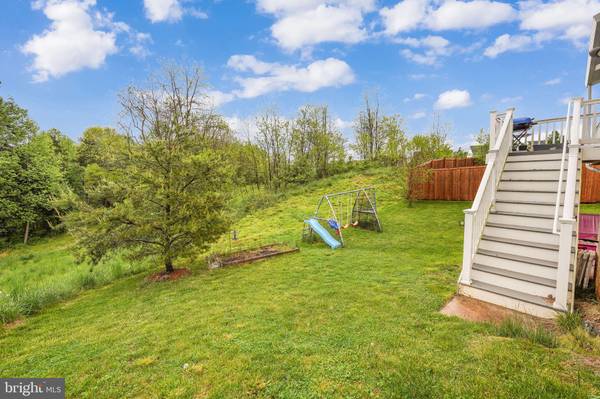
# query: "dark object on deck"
{"type": "Point", "coordinates": [521, 128]}
{"type": "Point", "coordinates": [523, 123]}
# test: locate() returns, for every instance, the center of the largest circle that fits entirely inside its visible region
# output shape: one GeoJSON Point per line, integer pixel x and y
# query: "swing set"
{"type": "Point", "coordinates": [354, 208]}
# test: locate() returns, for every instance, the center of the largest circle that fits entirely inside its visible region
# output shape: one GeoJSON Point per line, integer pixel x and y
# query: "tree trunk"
{"type": "Point", "coordinates": [26, 236]}
{"type": "Point", "coordinates": [169, 265]}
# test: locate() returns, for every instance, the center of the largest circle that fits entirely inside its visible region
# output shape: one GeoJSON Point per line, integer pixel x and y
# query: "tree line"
{"type": "Point", "coordinates": [159, 184]}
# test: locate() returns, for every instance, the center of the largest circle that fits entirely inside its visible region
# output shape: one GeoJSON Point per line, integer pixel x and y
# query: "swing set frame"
{"type": "Point", "coordinates": [362, 213]}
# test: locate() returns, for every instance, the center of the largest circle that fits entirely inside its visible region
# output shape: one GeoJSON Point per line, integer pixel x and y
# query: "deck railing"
{"type": "Point", "coordinates": [578, 116]}
{"type": "Point", "coordinates": [501, 129]}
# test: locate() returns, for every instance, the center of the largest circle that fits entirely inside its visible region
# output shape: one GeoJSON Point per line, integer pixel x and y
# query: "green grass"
{"type": "Point", "coordinates": [538, 334]}
{"type": "Point", "coordinates": [35, 276]}
{"type": "Point", "coordinates": [358, 322]}
{"type": "Point", "coordinates": [590, 208]}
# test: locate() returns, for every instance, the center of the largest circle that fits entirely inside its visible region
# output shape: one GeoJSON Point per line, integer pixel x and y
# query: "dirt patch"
{"type": "Point", "coordinates": [4, 253]}
{"type": "Point", "coordinates": [164, 276]}
{"type": "Point", "coordinates": [249, 255]}
{"type": "Point", "coordinates": [590, 312]}
{"type": "Point", "coordinates": [14, 324]}
{"type": "Point", "coordinates": [474, 310]}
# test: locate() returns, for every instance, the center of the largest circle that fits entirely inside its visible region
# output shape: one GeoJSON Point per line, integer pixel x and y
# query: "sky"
{"type": "Point", "coordinates": [67, 60]}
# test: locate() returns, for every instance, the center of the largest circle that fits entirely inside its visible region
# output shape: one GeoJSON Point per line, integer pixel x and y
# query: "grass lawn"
{"type": "Point", "coordinates": [358, 322]}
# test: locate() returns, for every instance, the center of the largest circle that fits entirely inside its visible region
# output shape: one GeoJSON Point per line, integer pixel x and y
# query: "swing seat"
{"type": "Point", "coordinates": [333, 224]}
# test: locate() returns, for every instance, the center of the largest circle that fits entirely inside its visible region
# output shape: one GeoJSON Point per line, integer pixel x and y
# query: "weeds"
{"type": "Point", "coordinates": [516, 328]}
{"type": "Point", "coordinates": [569, 321]}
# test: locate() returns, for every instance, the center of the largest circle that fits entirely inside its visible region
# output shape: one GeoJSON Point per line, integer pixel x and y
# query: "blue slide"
{"type": "Point", "coordinates": [323, 233]}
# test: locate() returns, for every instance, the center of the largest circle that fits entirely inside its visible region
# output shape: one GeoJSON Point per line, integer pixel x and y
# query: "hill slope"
{"type": "Point", "coordinates": [358, 322]}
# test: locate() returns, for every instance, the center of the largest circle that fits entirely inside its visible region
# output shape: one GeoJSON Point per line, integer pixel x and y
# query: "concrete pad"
{"type": "Point", "coordinates": [474, 310]}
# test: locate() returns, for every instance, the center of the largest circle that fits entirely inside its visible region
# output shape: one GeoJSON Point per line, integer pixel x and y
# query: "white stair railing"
{"type": "Point", "coordinates": [501, 136]}
{"type": "Point", "coordinates": [567, 221]}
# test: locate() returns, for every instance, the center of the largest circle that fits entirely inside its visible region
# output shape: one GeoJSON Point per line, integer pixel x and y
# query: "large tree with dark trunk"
{"type": "Point", "coordinates": [167, 197]}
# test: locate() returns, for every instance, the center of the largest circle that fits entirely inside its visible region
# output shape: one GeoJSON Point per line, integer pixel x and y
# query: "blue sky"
{"type": "Point", "coordinates": [66, 60]}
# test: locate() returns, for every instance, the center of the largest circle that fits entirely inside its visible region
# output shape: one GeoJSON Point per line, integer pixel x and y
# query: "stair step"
{"type": "Point", "coordinates": [515, 275]}
{"type": "Point", "coordinates": [529, 185]}
{"type": "Point", "coordinates": [518, 258]}
{"type": "Point", "coordinates": [531, 249]}
{"type": "Point", "coordinates": [522, 214]}
{"type": "Point", "coordinates": [536, 203]}
{"type": "Point", "coordinates": [525, 220]}
{"type": "Point", "coordinates": [532, 175]}
{"type": "Point", "coordinates": [528, 207]}
{"type": "Point", "coordinates": [507, 292]}
{"type": "Point", "coordinates": [537, 196]}
{"type": "Point", "coordinates": [532, 165]}
{"type": "Point", "coordinates": [515, 266]}
{"type": "Point", "coordinates": [522, 243]}
{"type": "Point", "coordinates": [533, 153]}
{"type": "Point", "coordinates": [521, 234]}
{"type": "Point", "coordinates": [524, 228]}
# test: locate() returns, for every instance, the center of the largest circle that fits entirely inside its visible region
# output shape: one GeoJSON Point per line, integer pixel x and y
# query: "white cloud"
{"type": "Point", "coordinates": [163, 10]}
{"type": "Point", "coordinates": [404, 16]}
{"type": "Point", "coordinates": [511, 100]}
{"type": "Point", "coordinates": [508, 42]}
{"type": "Point", "coordinates": [72, 41]}
{"type": "Point", "coordinates": [342, 124]}
{"type": "Point", "coordinates": [453, 99]}
{"type": "Point", "coordinates": [217, 98]}
{"type": "Point", "coordinates": [553, 82]}
{"type": "Point", "coordinates": [433, 47]}
{"type": "Point", "coordinates": [330, 72]}
{"type": "Point", "coordinates": [565, 19]}
{"type": "Point", "coordinates": [269, 77]}
{"type": "Point", "coordinates": [139, 48]}
{"type": "Point", "coordinates": [245, 128]}
{"type": "Point", "coordinates": [544, 21]}
{"type": "Point", "coordinates": [415, 97]}
{"type": "Point", "coordinates": [306, 23]}
{"type": "Point", "coordinates": [418, 115]}
{"type": "Point", "coordinates": [408, 15]}
{"type": "Point", "coordinates": [477, 14]}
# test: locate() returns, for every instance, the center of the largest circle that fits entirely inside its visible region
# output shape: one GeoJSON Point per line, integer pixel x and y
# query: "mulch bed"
{"type": "Point", "coordinates": [164, 276]}
{"type": "Point", "coordinates": [249, 255]}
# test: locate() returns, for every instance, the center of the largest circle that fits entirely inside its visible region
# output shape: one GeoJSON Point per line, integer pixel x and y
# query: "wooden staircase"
{"type": "Point", "coordinates": [516, 260]}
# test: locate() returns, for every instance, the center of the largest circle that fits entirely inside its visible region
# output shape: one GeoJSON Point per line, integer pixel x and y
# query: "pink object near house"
{"type": "Point", "coordinates": [589, 230]}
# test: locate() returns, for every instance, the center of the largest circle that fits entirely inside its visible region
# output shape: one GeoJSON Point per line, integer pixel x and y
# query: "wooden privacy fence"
{"type": "Point", "coordinates": [451, 179]}
{"type": "Point", "coordinates": [590, 186]}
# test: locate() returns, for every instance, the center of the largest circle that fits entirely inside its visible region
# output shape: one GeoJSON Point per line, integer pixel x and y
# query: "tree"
{"type": "Point", "coordinates": [482, 146]}
{"type": "Point", "coordinates": [66, 152]}
{"type": "Point", "coordinates": [273, 139]}
{"type": "Point", "coordinates": [102, 146]}
{"type": "Point", "coordinates": [420, 149]}
{"type": "Point", "coordinates": [169, 197]}
{"type": "Point", "coordinates": [315, 145]}
{"type": "Point", "coordinates": [15, 125]}
{"type": "Point", "coordinates": [369, 136]}
{"type": "Point", "coordinates": [30, 171]}
{"type": "Point", "coordinates": [395, 140]}
{"type": "Point", "coordinates": [30, 179]}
